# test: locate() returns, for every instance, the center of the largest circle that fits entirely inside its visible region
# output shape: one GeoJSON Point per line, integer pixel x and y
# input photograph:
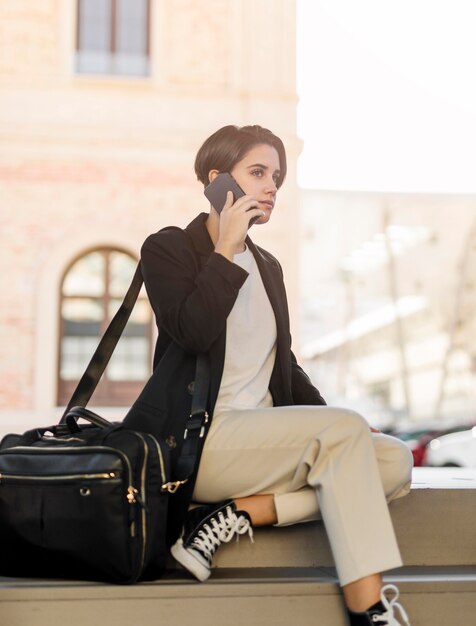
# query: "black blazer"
{"type": "Point", "coordinates": [192, 290]}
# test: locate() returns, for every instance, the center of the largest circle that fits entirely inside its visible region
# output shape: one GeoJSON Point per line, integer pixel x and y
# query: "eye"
{"type": "Point", "coordinates": [257, 172]}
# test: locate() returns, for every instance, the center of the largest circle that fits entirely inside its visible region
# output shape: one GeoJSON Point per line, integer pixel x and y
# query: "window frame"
{"type": "Point", "coordinates": [113, 43]}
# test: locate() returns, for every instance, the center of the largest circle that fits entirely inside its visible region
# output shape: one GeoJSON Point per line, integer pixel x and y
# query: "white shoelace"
{"type": "Point", "coordinates": [390, 604]}
{"type": "Point", "coordinates": [221, 531]}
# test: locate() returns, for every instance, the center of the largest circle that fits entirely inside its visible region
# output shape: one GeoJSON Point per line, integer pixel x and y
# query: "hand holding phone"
{"type": "Point", "coordinates": [217, 190]}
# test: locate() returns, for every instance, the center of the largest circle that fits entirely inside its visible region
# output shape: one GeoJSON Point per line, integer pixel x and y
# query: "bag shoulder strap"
{"type": "Point", "coordinates": [102, 355]}
{"type": "Point", "coordinates": [98, 363]}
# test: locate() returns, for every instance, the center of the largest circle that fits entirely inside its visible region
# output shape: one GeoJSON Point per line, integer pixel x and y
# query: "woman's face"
{"type": "Point", "coordinates": [257, 174]}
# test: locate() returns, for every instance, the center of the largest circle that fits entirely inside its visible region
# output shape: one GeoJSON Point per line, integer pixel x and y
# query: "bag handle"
{"type": "Point", "coordinates": [78, 412]}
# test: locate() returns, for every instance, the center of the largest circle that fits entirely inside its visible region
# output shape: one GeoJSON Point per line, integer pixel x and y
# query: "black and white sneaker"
{"type": "Point", "coordinates": [206, 528]}
{"type": "Point", "coordinates": [382, 613]}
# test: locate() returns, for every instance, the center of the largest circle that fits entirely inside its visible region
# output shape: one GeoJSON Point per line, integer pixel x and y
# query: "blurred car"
{"type": "Point", "coordinates": [419, 447]}
{"type": "Point", "coordinates": [453, 450]}
{"type": "Point", "coordinates": [417, 439]}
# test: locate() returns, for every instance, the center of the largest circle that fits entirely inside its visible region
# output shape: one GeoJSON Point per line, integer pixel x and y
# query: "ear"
{"type": "Point", "coordinates": [212, 174]}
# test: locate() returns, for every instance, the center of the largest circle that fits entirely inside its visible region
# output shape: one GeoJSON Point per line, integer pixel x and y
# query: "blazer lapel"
{"type": "Point", "coordinates": [271, 276]}
{"type": "Point", "coordinates": [273, 284]}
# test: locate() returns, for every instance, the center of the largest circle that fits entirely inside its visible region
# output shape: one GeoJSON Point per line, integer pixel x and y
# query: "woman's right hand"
{"type": "Point", "coordinates": [234, 223]}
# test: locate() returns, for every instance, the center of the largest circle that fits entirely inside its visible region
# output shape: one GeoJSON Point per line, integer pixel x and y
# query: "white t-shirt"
{"type": "Point", "coordinates": [250, 344]}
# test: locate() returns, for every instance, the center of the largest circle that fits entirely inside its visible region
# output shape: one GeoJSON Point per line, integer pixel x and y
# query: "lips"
{"type": "Point", "coordinates": [268, 203]}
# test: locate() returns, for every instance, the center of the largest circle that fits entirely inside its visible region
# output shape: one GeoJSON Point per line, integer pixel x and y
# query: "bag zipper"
{"type": "Point", "coordinates": [143, 499]}
{"type": "Point", "coordinates": [161, 458]}
{"type": "Point", "coordinates": [28, 477]}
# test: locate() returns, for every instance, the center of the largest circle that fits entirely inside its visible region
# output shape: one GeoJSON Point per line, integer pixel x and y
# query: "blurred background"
{"type": "Point", "coordinates": [103, 105]}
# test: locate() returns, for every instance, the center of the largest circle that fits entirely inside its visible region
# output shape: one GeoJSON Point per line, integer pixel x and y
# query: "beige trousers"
{"type": "Point", "coordinates": [317, 461]}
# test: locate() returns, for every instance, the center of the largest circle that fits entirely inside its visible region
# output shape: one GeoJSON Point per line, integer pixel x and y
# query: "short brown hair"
{"type": "Point", "coordinates": [227, 146]}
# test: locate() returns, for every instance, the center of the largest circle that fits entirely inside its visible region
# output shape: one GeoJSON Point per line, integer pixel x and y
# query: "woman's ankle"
{"type": "Point", "coordinates": [363, 593]}
{"type": "Point", "coordinates": [387, 612]}
{"type": "Point", "coordinates": [261, 509]}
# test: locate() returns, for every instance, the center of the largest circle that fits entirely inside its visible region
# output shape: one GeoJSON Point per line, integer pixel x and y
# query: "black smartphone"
{"type": "Point", "coordinates": [216, 192]}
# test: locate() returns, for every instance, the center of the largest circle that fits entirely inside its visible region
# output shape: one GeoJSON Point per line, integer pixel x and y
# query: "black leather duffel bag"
{"type": "Point", "coordinates": [90, 501]}
{"type": "Point", "coordinates": [83, 502]}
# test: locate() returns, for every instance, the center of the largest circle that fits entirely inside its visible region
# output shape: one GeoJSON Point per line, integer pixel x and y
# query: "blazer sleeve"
{"type": "Point", "coordinates": [302, 389]}
{"type": "Point", "coordinates": [190, 303]}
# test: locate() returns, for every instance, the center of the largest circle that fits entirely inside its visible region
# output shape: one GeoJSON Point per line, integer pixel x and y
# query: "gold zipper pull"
{"type": "Point", "coordinates": [172, 487]}
{"type": "Point", "coordinates": [131, 495]}
{"type": "Point", "coordinates": [134, 497]}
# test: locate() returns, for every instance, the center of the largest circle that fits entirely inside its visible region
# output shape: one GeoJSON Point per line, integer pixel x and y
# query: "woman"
{"type": "Point", "coordinates": [274, 453]}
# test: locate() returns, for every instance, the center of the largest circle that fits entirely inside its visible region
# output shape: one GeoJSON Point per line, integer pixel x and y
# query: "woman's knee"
{"type": "Point", "coordinates": [346, 427]}
{"type": "Point", "coordinates": [395, 462]}
{"type": "Point", "coordinates": [352, 421]}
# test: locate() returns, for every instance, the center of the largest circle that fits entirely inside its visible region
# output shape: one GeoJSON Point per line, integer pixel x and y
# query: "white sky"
{"type": "Point", "coordinates": [387, 95]}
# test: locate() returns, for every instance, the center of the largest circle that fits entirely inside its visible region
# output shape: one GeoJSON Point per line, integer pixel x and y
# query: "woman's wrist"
{"type": "Point", "coordinates": [227, 250]}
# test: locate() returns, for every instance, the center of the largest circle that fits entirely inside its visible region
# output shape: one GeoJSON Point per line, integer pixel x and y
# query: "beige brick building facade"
{"type": "Point", "coordinates": [90, 162]}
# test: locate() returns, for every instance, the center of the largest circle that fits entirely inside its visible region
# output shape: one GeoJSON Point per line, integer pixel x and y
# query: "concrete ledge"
{"type": "Point", "coordinates": [257, 597]}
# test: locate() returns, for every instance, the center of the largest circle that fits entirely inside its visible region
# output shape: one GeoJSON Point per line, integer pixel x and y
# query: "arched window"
{"type": "Point", "coordinates": [91, 292]}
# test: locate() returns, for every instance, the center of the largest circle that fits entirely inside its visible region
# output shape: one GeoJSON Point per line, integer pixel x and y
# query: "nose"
{"type": "Point", "coordinates": [271, 186]}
